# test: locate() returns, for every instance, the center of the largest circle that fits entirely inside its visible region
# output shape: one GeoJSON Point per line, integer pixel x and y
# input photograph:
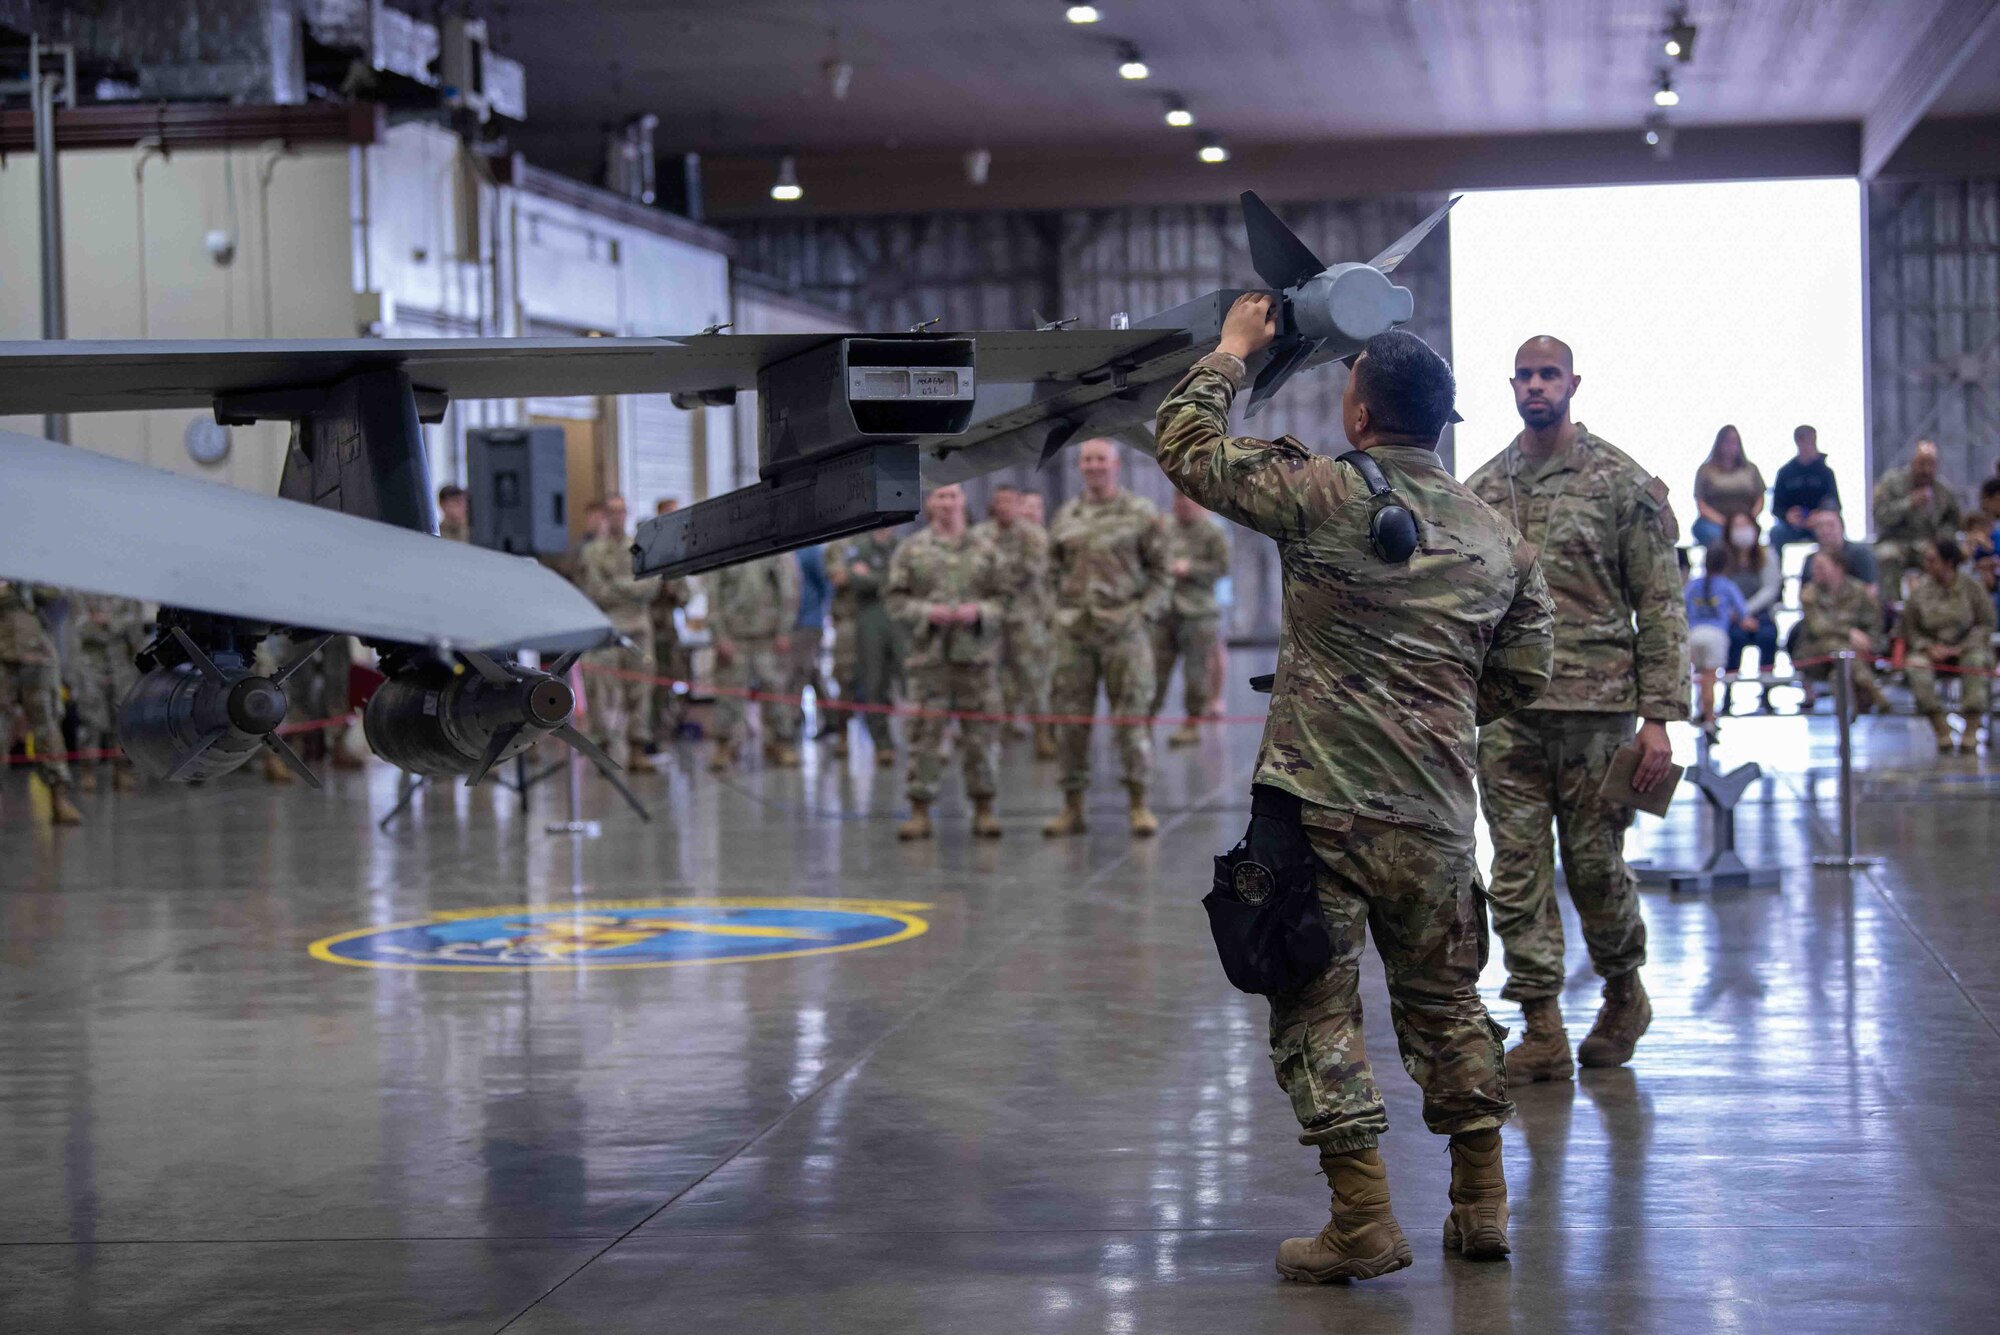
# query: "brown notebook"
{"type": "Point", "coordinates": [1617, 785]}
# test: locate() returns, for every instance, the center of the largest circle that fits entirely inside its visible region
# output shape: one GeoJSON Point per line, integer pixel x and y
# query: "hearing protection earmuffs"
{"type": "Point", "coordinates": [1392, 530]}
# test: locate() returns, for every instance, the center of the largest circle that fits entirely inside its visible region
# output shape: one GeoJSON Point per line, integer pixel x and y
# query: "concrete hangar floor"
{"type": "Point", "coordinates": [994, 1088]}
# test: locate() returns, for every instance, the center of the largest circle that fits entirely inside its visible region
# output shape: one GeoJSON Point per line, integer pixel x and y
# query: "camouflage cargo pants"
{"type": "Point", "coordinates": [954, 686]}
{"type": "Point", "coordinates": [1191, 641]}
{"type": "Point", "coordinates": [864, 667]}
{"type": "Point", "coordinates": [1122, 660]}
{"type": "Point", "coordinates": [37, 689]}
{"type": "Point", "coordinates": [102, 681]}
{"type": "Point", "coordinates": [1417, 893]}
{"type": "Point", "coordinates": [1975, 682]}
{"type": "Point", "coordinates": [757, 667]}
{"type": "Point", "coordinates": [1542, 767]}
{"type": "Point", "coordinates": [670, 659]}
{"type": "Point", "coordinates": [619, 697]}
{"type": "Point", "coordinates": [1024, 668]}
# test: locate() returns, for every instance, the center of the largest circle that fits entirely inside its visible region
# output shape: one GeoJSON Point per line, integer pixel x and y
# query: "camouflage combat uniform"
{"type": "Point", "coordinates": [867, 662]}
{"type": "Point", "coordinates": [29, 677]}
{"type": "Point", "coordinates": [1109, 567]}
{"type": "Point", "coordinates": [750, 607]}
{"type": "Point", "coordinates": [452, 531]}
{"type": "Point", "coordinates": [1383, 674]}
{"type": "Point", "coordinates": [1605, 534]}
{"type": "Point", "coordinates": [619, 697]}
{"type": "Point", "coordinates": [1188, 629]}
{"type": "Point", "coordinates": [1903, 525]}
{"type": "Point", "coordinates": [950, 667]}
{"type": "Point", "coordinates": [670, 658]}
{"type": "Point", "coordinates": [1826, 619]}
{"type": "Point", "coordinates": [1961, 614]}
{"type": "Point", "coordinates": [110, 632]}
{"type": "Point", "coordinates": [1023, 550]}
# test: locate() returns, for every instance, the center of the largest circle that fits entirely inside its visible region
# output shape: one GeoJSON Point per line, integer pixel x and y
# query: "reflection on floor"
{"type": "Point", "coordinates": [1009, 1089]}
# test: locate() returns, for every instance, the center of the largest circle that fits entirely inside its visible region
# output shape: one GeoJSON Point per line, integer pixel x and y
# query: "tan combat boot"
{"type": "Point", "coordinates": [1941, 729]}
{"type": "Point", "coordinates": [62, 811]}
{"type": "Point", "coordinates": [1476, 1228]}
{"type": "Point", "coordinates": [918, 826]}
{"type": "Point", "coordinates": [1185, 735]}
{"type": "Point", "coordinates": [782, 754]}
{"type": "Point", "coordinates": [86, 778]}
{"type": "Point", "coordinates": [1968, 737]}
{"type": "Point", "coordinates": [1144, 823]}
{"type": "Point", "coordinates": [1543, 1052]}
{"type": "Point", "coordinates": [840, 749]}
{"type": "Point", "coordinates": [275, 770]}
{"type": "Point", "coordinates": [122, 778]}
{"type": "Point", "coordinates": [885, 757]}
{"type": "Point", "coordinates": [724, 758]}
{"type": "Point", "coordinates": [985, 825]}
{"type": "Point", "coordinates": [1626, 1014]}
{"type": "Point", "coordinates": [1071, 819]}
{"type": "Point", "coordinates": [1362, 1239]}
{"type": "Point", "coordinates": [1045, 741]}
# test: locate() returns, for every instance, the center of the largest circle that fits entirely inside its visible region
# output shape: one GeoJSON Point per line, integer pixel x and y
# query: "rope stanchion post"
{"type": "Point", "coordinates": [1849, 856]}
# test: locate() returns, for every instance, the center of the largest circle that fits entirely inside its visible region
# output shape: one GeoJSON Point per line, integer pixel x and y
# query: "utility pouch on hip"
{"type": "Point", "coordinates": [1264, 909]}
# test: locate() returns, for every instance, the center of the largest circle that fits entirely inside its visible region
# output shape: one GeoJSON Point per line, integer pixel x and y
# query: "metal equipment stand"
{"type": "Point", "coordinates": [1848, 857]}
{"type": "Point", "coordinates": [1724, 870]}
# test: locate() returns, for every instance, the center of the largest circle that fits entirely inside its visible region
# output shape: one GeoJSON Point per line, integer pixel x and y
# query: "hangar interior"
{"type": "Point", "coordinates": [369, 1056]}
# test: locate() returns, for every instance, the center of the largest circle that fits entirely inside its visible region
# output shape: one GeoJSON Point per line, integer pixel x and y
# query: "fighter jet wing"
{"type": "Point", "coordinates": [82, 520]}
{"type": "Point", "coordinates": [81, 376]}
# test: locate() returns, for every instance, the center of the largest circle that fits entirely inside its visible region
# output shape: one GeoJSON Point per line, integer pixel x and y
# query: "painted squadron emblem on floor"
{"type": "Point", "coordinates": [627, 934]}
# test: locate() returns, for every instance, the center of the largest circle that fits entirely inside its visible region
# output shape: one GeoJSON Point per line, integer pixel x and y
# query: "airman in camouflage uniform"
{"type": "Point", "coordinates": [110, 632]}
{"type": "Point", "coordinates": [1912, 506]}
{"type": "Point", "coordinates": [1605, 535]}
{"type": "Point", "coordinates": [1197, 556]}
{"type": "Point", "coordinates": [1023, 549]}
{"type": "Point", "coordinates": [751, 610]}
{"type": "Point", "coordinates": [1384, 672]}
{"type": "Point", "coordinates": [1948, 625]}
{"type": "Point", "coordinates": [946, 591]}
{"type": "Point", "coordinates": [670, 659]}
{"type": "Point", "coordinates": [1838, 613]}
{"type": "Point", "coordinates": [29, 678]}
{"type": "Point", "coordinates": [1109, 567]}
{"type": "Point", "coordinates": [619, 696]}
{"type": "Point", "coordinates": [454, 514]}
{"type": "Point", "coordinates": [867, 657]}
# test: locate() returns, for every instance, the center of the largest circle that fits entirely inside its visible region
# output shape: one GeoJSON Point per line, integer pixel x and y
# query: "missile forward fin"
{"type": "Point", "coordinates": [1276, 253]}
{"type": "Point", "coordinates": [1400, 248]}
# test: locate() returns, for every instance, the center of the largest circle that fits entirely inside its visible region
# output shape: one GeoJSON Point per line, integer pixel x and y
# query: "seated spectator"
{"type": "Point", "coordinates": [1948, 625]}
{"type": "Point", "coordinates": [1839, 613]}
{"type": "Point", "coordinates": [1726, 485]}
{"type": "Point", "coordinates": [1754, 569]}
{"type": "Point", "coordinates": [1987, 514]}
{"type": "Point", "coordinates": [1829, 530]}
{"type": "Point", "coordinates": [1714, 606]}
{"type": "Point", "coordinates": [1803, 485]}
{"type": "Point", "coordinates": [1986, 569]}
{"type": "Point", "coordinates": [1913, 506]}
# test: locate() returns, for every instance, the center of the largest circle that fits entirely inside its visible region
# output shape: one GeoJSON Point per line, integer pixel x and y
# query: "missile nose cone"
{"type": "Point", "coordinates": [256, 706]}
{"type": "Point", "coordinates": [550, 702]}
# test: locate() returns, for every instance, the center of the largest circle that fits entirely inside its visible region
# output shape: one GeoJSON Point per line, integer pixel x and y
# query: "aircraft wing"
{"type": "Point", "coordinates": [183, 542]}
{"type": "Point", "coordinates": [89, 375]}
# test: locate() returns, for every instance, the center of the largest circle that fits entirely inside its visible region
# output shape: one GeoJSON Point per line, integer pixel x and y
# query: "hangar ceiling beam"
{"type": "Point", "coordinates": [1960, 28]}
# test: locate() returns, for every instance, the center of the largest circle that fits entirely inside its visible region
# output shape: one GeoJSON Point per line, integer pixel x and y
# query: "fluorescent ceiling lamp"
{"type": "Point", "coordinates": [1213, 153]}
{"type": "Point", "coordinates": [1083, 14]}
{"type": "Point", "coordinates": [786, 188]}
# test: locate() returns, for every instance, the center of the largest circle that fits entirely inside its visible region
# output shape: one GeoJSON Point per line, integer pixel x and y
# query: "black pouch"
{"type": "Point", "coordinates": [1264, 910]}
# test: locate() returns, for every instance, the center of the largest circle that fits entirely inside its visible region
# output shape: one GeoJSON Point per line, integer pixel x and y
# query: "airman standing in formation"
{"type": "Point", "coordinates": [1605, 535]}
{"type": "Point", "coordinates": [454, 514]}
{"type": "Point", "coordinates": [619, 693]}
{"type": "Point", "coordinates": [1948, 625]}
{"type": "Point", "coordinates": [1109, 565]}
{"type": "Point", "coordinates": [1032, 510]}
{"type": "Point", "coordinates": [1023, 551]}
{"type": "Point", "coordinates": [1197, 556]}
{"type": "Point", "coordinates": [1913, 506]}
{"type": "Point", "coordinates": [866, 662]}
{"type": "Point", "coordinates": [1838, 613]}
{"type": "Point", "coordinates": [29, 678]}
{"type": "Point", "coordinates": [946, 590]}
{"type": "Point", "coordinates": [110, 632]}
{"type": "Point", "coordinates": [1386, 668]}
{"type": "Point", "coordinates": [751, 611]}
{"type": "Point", "coordinates": [670, 656]}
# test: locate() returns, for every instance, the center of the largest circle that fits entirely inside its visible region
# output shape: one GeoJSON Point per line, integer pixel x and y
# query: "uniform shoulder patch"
{"type": "Point", "coordinates": [1653, 495]}
{"type": "Point", "coordinates": [1292, 446]}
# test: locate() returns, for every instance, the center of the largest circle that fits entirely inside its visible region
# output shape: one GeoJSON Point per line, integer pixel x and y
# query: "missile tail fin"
{"type": "Point", "coordinates": [1276, 253]}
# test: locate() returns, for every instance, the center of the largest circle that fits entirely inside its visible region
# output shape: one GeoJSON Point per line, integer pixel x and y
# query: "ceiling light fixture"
{"type": "Point", "coordinates": [1680, 39]}
{"type": "Point", "coordinates": [1664, 95]}
{"type": "Point", "coordinates": [1082, 14]}
{"type": "Point", "coordinates": [786, 188]}
{"type": "Point", "coordinates": [1660, 136]}
{"type": "Point", "coordinates": [1213, 152]}
{"type": "Point", "coordinates": [1178, 114]}
{"type": "Point", "coordinates": [1130, 66]}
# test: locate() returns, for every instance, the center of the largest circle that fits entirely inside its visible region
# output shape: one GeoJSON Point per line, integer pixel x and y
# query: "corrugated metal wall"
{"type": "Point", "coordinates": [997, 270]}
{"type": "Point", "coordinates": [1934, 324]}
